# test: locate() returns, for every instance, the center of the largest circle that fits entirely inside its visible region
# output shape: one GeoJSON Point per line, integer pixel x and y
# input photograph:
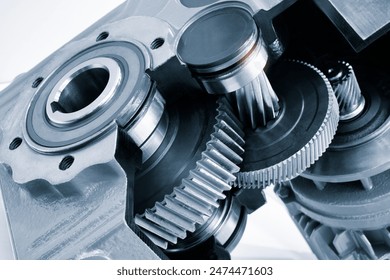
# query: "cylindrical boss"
{"type": "Point", "coordinates": [223, 49]}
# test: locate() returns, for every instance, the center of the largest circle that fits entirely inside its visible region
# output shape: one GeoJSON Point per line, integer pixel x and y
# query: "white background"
{"type": "Point", "coordinates": [31, 30]}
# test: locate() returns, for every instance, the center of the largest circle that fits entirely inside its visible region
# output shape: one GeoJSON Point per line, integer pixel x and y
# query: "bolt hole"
{"type": "Point", "coordinates": [157, 43]}
{"type": "Point", "coordinates": [37, 82]}
{"type": "Point", "coordinates": [102, 36]}
{"type": "Point", "coordinates": [66, 162]}
{"type": "Point", "coordinates": [15, 143]}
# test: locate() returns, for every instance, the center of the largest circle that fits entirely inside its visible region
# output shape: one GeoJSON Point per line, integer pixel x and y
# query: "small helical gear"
{"type": "Point", "coordinates": [347, 90]}
{"type": "Point", "coordinates": [232, 63]}
{"type": "Point", "coordinates": [257, 102]}
{"type": "Point", "coordinates": [194, 201]}
{"type": "Point", "coordinates": [290, 166]}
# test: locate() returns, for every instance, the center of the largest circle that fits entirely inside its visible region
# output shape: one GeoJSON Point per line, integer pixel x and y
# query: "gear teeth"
{"type": "Point", "coordinates": [257, 102]}
{"type": "Point", "coordinates": [346, 88]}
{"type": "Point", "coordinates": [156, 229]}
{"type": "Point", "coordinates": [197, 191]}
{"type": "Point", "coordinates": [178, 207]}
{"type": "Point", "coordinates": [185, 197]}
{"type": "Point", "coordinates": [168, 225]}
{"type": "Point", "coordinates": [306, 156]}
{"type": "Point", "coordinates": [168, 214]}
{"type": "Point", "coordinates": [157, 240]}
{"type": "Point", "coordinates": [195, 200]}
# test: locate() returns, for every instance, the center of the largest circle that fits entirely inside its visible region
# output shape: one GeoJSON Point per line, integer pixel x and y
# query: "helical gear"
{"type": "Point", "coordinates": [299, 161]}
{"type": "Point", "coordinates": [257, 102]}
{"type": "Point", "coordinates": [347, 90]}
{"type": "Point", "coordinates": [194, 201]}
{"type": "Point", "coordinates": [232, 63]}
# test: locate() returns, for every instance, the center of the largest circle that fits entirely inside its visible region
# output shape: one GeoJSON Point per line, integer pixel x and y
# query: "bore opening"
{"type": "Point", "coordinates": [157, 43]}
{"type": "Point", "coordinates": [15, 143]}
{"type": "Point", "coordinates": [82, 89]}
{"type": "Point", "coordinates": [66, 162]}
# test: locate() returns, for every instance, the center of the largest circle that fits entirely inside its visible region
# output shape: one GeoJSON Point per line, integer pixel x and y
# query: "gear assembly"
{"type": "Point", "coordinates": [153, 133]}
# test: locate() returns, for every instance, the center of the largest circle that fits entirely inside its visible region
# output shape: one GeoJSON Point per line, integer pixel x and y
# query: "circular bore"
{"type": "Point", "coordinates": [302, 131]}
{"type": "Point", "coordinates": [218, 39]}
{"type": "Point", "coordinates": [83, 91]}
{"type": "Point", "coordinates": [124, 61]}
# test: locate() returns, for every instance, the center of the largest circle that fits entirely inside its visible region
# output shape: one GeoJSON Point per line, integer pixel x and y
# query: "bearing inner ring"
{"type": "Point", "coordinates": [83, 90]}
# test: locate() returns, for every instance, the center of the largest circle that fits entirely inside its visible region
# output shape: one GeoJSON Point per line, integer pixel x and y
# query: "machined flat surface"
{"type": "Point", "coordinates": [367, 19]}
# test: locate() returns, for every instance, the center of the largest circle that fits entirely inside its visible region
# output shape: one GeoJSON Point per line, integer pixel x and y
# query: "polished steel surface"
{"type": "Point", "coordinates": [347, 90]}
{"type": "Point", "coordinates": [234, 34]}
{"type": "Point", "coordinates": [279, 152]}
{"type": "Point", "coordinates": [112, 148]}
{"type": "Point", "coordinates": [83, 90]}
{"type": "Point", "coordinates": [364, 18]}
{"type": "Point", "coordinates": [361, 145]}
{"type": "Point", "coordinates": [225, 51]}
{"type": "Point", "coordinates": [361, 22]}
{"type": "Point", "coordinates": [196, 199]}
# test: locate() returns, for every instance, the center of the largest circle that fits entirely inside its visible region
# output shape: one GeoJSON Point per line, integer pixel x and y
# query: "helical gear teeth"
{"type": "Point", "coordinates": [198, 191]}
{"type": "Point", "coordinates": [257, 102]}
{"type": "Point", "coordinates": [149, 226]}
{"type": "Point", "coordinates": [192, 202]}
{"type": "Point", "coordinates": [213, 184]}
{"type": "Point", "coordinates": [157, 240]}
{"type": "Point", "coordinates": [219, 159]}
{"type": "Point", "coordinates": [302, 159]}
{"type": "Point", "coordinates": [184, 210]}
{"type": "Point", "coordinates": [195, 200]}
{"type": "Point", "coordinates": [218, 147]}
{"type": "Point", "coordinates": [216, 169]}
{"type": "Point", "coordinates": [168, 225]}
{"type": "Point", "coordinates": [167, 214]}
{"type": "Point", "coordinates": [351, 101]}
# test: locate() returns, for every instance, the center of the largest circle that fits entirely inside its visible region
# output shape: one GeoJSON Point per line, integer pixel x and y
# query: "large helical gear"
{"type": "Point", "coordinates": [281, 151]}
{"type": "Point", "coordinates": [194, 201]}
